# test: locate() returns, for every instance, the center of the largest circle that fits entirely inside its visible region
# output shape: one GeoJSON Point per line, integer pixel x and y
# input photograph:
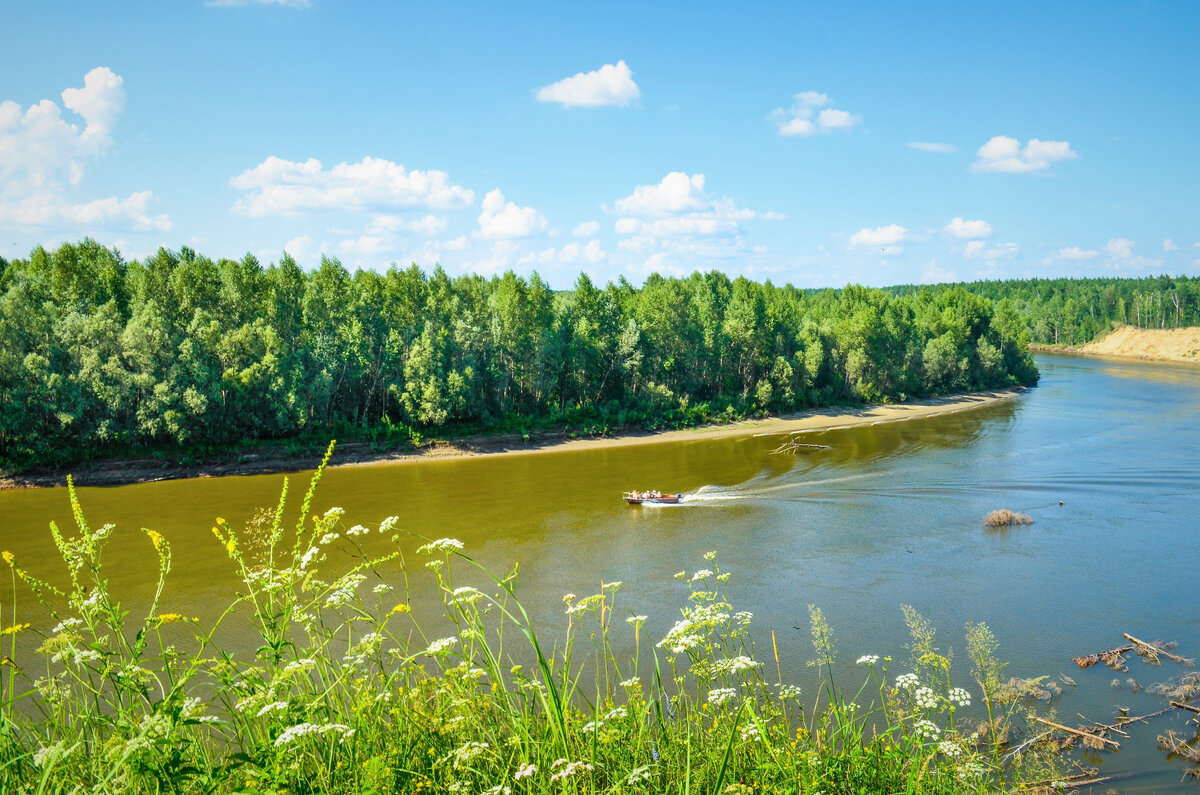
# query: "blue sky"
{"type": "Point", "coordinates": [818, 145]}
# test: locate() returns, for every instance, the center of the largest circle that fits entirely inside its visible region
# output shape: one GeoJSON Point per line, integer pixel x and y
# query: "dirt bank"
{"type": "Point", "coordinates": [1128, 342]}
{"type": "Point", "coordinates": [272, 460]}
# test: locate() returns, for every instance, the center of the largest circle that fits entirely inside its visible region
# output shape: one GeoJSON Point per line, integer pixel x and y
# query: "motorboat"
{"type": "Point", "coordinates": [651, 498]}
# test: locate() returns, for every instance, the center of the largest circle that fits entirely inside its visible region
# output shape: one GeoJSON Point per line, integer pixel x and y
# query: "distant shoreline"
{"type": "Point", "coordinates": [276, 460]}
{"type": "Point", "coordinates": [1138, 344]}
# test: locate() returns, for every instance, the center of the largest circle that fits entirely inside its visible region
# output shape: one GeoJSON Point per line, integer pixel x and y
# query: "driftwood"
{"type": "Point", "coordinates": [1154, 650]}
{"type": "Point", "coordinates": [1188, 707]}
{"type": "Point", "coordinates": [1021, 748]}
{"type": "Point", "coordinates": [1086, 778]}
{"type": "Point", "coordinates": [1175, 744]}
{"type": "Point", "coordinates": [1113, 658]}
{"type": "Point", "coordinates": [792, 446]}
{"type": "Point", "coordinates": [1090, 739]}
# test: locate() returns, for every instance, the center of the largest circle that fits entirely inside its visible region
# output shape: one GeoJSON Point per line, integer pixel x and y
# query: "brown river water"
{"type": "Point", "coordinates": [889, 514]}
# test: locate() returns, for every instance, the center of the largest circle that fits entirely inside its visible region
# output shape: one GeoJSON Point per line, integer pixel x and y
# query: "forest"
{"type": "Point", "coordinates": [100, 356]}
{"type": "Point", "coordinates": [1076, 311]}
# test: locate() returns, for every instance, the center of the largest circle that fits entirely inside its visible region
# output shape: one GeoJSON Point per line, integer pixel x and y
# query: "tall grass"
{"type": "Point", "coordinates": [348, 692]}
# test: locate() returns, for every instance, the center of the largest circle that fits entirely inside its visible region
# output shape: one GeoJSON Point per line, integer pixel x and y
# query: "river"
{"type": "Point", "coordinates": [1103, 455]}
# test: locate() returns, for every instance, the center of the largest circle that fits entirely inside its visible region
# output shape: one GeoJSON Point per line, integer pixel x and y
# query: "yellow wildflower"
{"type": "Point", "coordinates": [400, 608]}
{"type": "Point", "coordinates": [8, 557]}
{"type": "Point", "coordinates": [15, 628]}
{"type": "Point", "coordinates": [156, 539]}
{"type": "Point", "coordinates": [230, 546]}
{"type": "Point", "coordinates": [169, 618]}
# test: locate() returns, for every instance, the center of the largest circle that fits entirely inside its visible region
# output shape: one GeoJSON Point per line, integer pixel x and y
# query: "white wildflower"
{"type": "Point", "coordinates": [344, 590]}
{"type": "Point", "coordinates": [389, 524]}
{"type": "Point", "coordinates": [640, 774]}
{"type": "Point", "coordinates": [441, 545]}
{"type": "Point", "coordinates": [568, 770]}
{"type": "Point", "coordinates": [637, 621]}
{"type": "Point", "coordinates": [499, 789]}
{"type": "Point", "coordinates": [333, 514]}
{"type": "Point", "coordinates": [736, 665]}
{"type": "Point", "coordinates": [960, 697]}
{"type": "Point", "coordinates": [719, 695]}
{"type": "Point", "coordinates": [950, 748]}
{"type": "Point", "coordinates": [710, 556]}
{"type": "Point", "coordinates": [525, 772]}
{"type": "Point", "coordinates": [631, 682]}
{"type": "Point", "coordinates": [703, 574]}
{"type": "Point", "coordinates": [614, 585]}
{"type": "Point", "coordinates": [274, 706]}
{"type": "Point", "coordinates": [303, 664]}
{"type": "Point", "coordinates": [925, 698]}
{"type": "Point", "coordinates": [463, 755]}
{"type": "Point", "coordinates": [382, 587]}
{"type": "Point", "coordinates": [789, 691]}
{"type": "Point", "coordinates": [441, 646]}
{"type": "Point", "coordinates": [293, 733]}
{"type": "Point", "coordinates": [307, 557]}
{"type": "Point", "coordinates": [907, 681]}
{"type": "Point", "coordinates": [867, 659]}
{"type": "Point", "coordinates": [751, 733]}
{"type": "Point", "coordinates": [65, 625]}
{"type": "Point", "coordinates": [357, 530]}
{"type": "Point", "coordinates": [47, 754]}
{"type": "Point", "coordinates": [328, 538]}
{"type": "Point", "coordinates": [466, 595]}
{"type": "Point", "coordinates": [927, 729]}
{"type": "Point", "coordinates": [743, 617]}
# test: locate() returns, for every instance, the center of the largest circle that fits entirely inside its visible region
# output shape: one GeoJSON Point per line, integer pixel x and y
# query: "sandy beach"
{"type": "Point", "coordinates": [1147, 344]}
{"type": "Point", "coordinates": [273, 460]}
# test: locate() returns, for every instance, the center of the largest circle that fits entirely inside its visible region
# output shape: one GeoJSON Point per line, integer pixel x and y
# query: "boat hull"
{"type": "Point", "coordinates": [662, 499]}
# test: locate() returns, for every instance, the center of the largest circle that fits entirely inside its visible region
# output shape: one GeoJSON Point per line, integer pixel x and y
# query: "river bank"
{"type": "Point", "coordinates": [1129, 342]}
{"type": "Point", "coordinates": [273, 460]}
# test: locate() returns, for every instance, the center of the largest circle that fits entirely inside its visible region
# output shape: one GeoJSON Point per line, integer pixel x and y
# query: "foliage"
{"type": "Point", "coordinates": [99, 355]}
{"type": "Point", "coordinates": [349, 692]}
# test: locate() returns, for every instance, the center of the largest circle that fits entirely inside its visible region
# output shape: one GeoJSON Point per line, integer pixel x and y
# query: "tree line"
{"type": "Point", "coordinates": [98, 354]}
{"type": "Point", "coordinates": [1076, 311]}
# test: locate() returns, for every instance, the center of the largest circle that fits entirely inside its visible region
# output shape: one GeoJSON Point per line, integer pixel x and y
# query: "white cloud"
{"type": "Point", "coordinates": [977, 249]}
{"type": "Point", "coordinates": [571, 253]}
{"type": "Point", "coordinates": [934, 274]}
{"type": "Point", "coordinates": [1119, 248]}
{"type": "Point", "coordinates": [967, 230]}
{"type": "Point", "coordinates": [1169, 245]}
{"type": "Point", "coordinates": [43, 158]}
{"type": "Point", "coordinates": [611, 84]}
{"type": "Point", "coordinates": [501, 219]}
{"type": "Point", "coordinates": [586, 229]}
{"type": "Point", "coordinates": [798, 120]}
{"type": "Point", "coordinates": [304, 250]}
{"type": "Point", "coordinates": [932, 147]}
{"type": "Point", "coordinates": [277, 186]}
{"type": "Point", "coordinates": [879, 236]}
{"type": "Point", "coordinates": [677, 192]}
{"type": "Point", "coordinates": [1076, 253]}
{"type": "Point", "coordinates": [1004, 154]}
{"type": "Point", "coordinates": [428, 226]}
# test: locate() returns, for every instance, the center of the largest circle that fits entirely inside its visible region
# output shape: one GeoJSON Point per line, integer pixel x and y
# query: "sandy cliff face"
{"type": "Point", "coordinates": [1177, 345]}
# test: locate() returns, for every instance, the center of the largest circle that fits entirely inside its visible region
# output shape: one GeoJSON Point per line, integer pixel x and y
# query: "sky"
{"type": "Point", "coordinates": [811, 144]}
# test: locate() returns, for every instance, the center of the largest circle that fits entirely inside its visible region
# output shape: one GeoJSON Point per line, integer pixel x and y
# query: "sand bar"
{"type": "Point", "coordinates": [270, 461]}
{"type": "Point", "coordinates": [1147, 344]}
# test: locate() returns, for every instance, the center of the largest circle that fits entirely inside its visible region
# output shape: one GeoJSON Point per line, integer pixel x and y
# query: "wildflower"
{"type": "Point", "coordinates": [969, 770]}
{"type": "Point", "coordinates": [333, 514]}
{"type": "Point", "coordinates": [743, 617]}
{"type": "Point", "coordinates": [681, 575]}
{"type": "Point", "coordinates": [307, 558]}
{"type": "Point", "coordinates": [8, 557]}
{"type": "Point", "coordinates": [463, 755]}
{"type": "Point", "coordinates": [907, 681]}
{"type": "Point", "coordinates": [723, 577]}
{"type": "Point", "coordinates": [328, 538]}
{"type": "Point", "coordinates": [344, 590]}
{"type": "Point", "coordinates": [441, 646]}
{"type": "Point", "coordinates": [466, 594]}
{"type": "Point", "coordinates": [47, 754]}
{"type": "Point", "coordinates": [736, 665]}
{"type": "Point", "coordinates": [293, 733]}
{"type": "Point", "coordinates": [525, 772]}
{"type": "Point", "coordinates": [751, 733]}
{"type": "Point", "coordinates": [637, 621]}
{"type": "Point", "coordinates": [400, 608]}
{"type": "Point", "coordinates": [710, 556]}
{"type": "Point", "coordinates": [960, 697]}
{"type": "Point", "coordinates": [614, 585]}
{"type": "Point", "coordinates": [388, 524]}
{"type": "Point", "coordinates": [382, 588]}
{"type": "Point", "coordinates": [616, 712]}
{"type": "Point", "coordinates": [927, 729]}
{"type": "Point", "coordinates": [65, 625]}
{"type": "Point", "coordinates": [15, 628]}
{"type": "Point", "coordinates": [568, 770]}
{"type": "Point", "coordinates": [702, 574]}
{"type": "Point", "coordinates": [950, 748]}
{"type": "Point", "coordinates": [720, 695]}
{"type": "Point", "coordinates": [640, 774]}
{"type": "Point", "coordinates": [303, 664]}
{"type": "Point", "coordinates": [274, 706]}
{"type": "Point", "coordinates": [499, 789]}
{"type": "Point", "coordinates": [568, 598]}
{"type": "Point", "coordinates": [156, 539]}
{"type": "Point", "coordinates": [170, 618]}
{"type": "Point", "coordinates": [441, 545]}
{"type": "Point", "coordinates": [789, 691]}
{"type": "Point", "coordinates": [631, 682]}
{"type": "Point", "coordinates": [357, 530]}
{"type": "Point", "coordinates": [925, 698]}
{"type": "Point", "coordinates": [867, 659]}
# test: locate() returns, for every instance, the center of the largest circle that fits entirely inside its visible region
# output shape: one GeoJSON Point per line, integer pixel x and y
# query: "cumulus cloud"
{"type": "Point", "coordinates": [977, 249]}
{"type": "Point", "coordinates": [925, 146]}
{"type": "Point", "coordinates": [43, 159]}
{"type": "Point", "coordinates": [1076, 253]}
{"type": "Point", "coordinates": [505, 219]}
{"type": "Point", "coordinates": [427, 226]}
{"type": "Point", "coordinates": [676, 192]}
{"type": "Point", "coordinates": [968, 230]}
{"type": "Point", "coordinates": [803, 118]}
{"type": "Point", "coordinates": [1119, 248]}
{"type": "Point", "coordinates": [879, 236]}
{"type": "Point", "coordinates": [280, 187]}
{"type": "Point", "coordinates": [570, 254]}
{"type": "Point", "coordinates": [1169, 245]}
{"type": "Point", "coordinates": [611, 84]}
{"type": "Point", "coordinates": [1004, 154]}
{"type": "Point", "coordinates": [586, 229]}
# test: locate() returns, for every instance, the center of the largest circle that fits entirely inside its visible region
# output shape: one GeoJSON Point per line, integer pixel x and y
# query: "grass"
{"type": "Point", "coordinates": [1005, 517]}
{"type": "Point", "coordinates": [348, 692]}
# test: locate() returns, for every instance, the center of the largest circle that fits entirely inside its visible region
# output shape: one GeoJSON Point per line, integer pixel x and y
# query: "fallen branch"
{"type": "Point", "coordinates": [1021, 748]}
{"type": "Point", "coordinates": [792, 447]}
{"type": "Point", "coordinates": [1086, 778]}
{"type": "Point", "coordinates": [1175, 744]}
{"type": "Point", "coordinates": [1087, 736]}
{"type": "Point", "coordinates": [1124, 719]}
{"type": "Point", "coordinates": [1188, 707]}
{"type": "Point", "coordinates": [1153, 650]}
{"type": "Point", "coordinates": [1113, 658]}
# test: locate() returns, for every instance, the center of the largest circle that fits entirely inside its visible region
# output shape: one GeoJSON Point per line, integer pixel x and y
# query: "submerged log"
{"type": "Point", "coordinates": [1188, 707]}
{"type": "Point", "coordinates": [1154, 650]}
{"type": "Point", "coordinates": [1090, 738]}
{"type": "Point", "coordinates": [1113, 658]}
